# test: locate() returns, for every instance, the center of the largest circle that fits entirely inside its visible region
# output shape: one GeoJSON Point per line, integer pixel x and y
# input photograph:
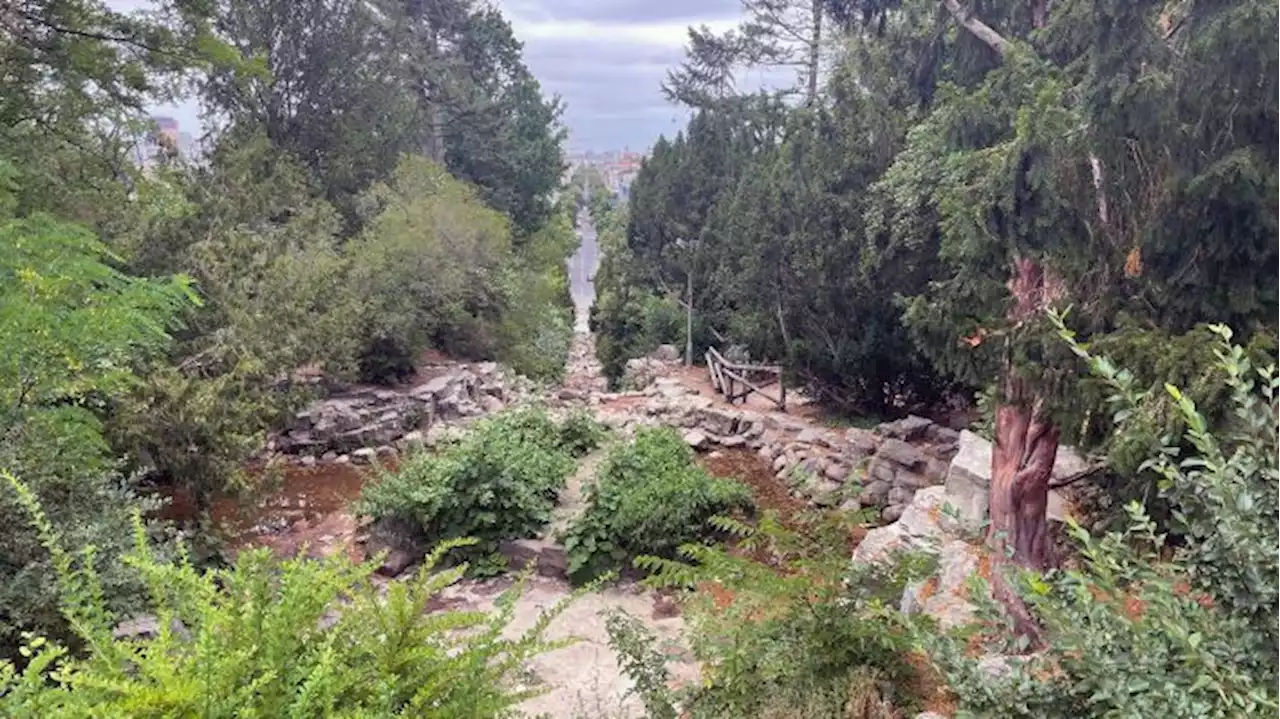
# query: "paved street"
{"type": "Point", "coordinates": [582, 271]}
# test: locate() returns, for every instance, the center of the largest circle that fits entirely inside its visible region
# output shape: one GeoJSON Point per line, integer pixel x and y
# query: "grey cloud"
{"type": "Point", "coordinates": [689, 11]}
{"type": "Point", "coordinates": [612, 89]}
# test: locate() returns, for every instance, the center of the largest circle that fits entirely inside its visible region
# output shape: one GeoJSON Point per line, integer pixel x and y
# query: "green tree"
{"type": "Point", "coordinates": [75, 332]}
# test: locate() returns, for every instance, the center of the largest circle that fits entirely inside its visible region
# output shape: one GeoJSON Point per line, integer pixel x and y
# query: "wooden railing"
{"type": "Point", "coordinates": [735, 381]}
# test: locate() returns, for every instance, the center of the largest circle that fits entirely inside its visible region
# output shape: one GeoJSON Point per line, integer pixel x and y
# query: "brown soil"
{"type": "Point", "coordinates": [750, 469]}
{"type": "Point", "coordinates": [303, 508]}
{"type": "Point", "coordinates": [929, 686]}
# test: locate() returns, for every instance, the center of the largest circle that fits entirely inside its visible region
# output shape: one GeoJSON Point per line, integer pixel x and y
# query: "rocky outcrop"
{"type": "Point", "coordinates": [364, 423]}
{"type": "Point", "coordinates": [852, 468]}
{"type": "Point", "coordinates": [947, 521]}
{"type": "Point", "coordinates": [640, 372]}
{"type": "Point", "coordinates": [969, 481]}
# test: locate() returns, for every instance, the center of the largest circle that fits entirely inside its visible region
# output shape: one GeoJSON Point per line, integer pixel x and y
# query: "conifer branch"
{"type": "Point", "coordinates": [976, 27]}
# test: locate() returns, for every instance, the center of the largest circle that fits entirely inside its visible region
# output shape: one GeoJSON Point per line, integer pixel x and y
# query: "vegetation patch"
{"type": "Point", "coordinates": [784, 626]}
{"type": "Point", "coordinates": [649, 498]}
{"type": "Point", "coordinates": [499, 482]}
{"type": "Point", "coordinates": [273, 640]}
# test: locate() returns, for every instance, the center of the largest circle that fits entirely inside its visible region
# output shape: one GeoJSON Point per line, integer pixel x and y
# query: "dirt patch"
{"type": "Point", "coordinates": [750, 469]}
{"type": "Point", "coordinates": [301, 507]}
{"type": "Point", "coordinates": [929, 687]}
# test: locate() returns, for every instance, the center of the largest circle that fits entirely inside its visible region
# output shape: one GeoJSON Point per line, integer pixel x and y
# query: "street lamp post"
{"type": "Point", "coordinates": [688, 302]}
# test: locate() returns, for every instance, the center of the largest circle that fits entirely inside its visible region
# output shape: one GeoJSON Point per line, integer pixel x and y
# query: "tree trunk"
{"type": "Point", "coordinates": [1026, 444]}
{"type": "Point", "coordinates": [815, 53]}
{"type": "Point", "coordinates": [1021, 466]}
{"type": "Point", "coordinates": [688, 320]}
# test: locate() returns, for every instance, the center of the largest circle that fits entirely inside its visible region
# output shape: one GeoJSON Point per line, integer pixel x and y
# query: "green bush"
{"type": "Point", "coordinates": [649, 498]}
{"type": "Point", "coordinates": [73, 333]}
{"type": "Point", "coordinates": [303, 638]}
{"type": "Point", "coordinates": [1142, 629]}
{"type": "Point", "coordinates": [499, 482]}
{"type": "Point", "coordinates": [580, 433]}
{"type": "Point", "coordinates": [784, 626]}
{"type": "Point", "coordinates": [1126, 635]}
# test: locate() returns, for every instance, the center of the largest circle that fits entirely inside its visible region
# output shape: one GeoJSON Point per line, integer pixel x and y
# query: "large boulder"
{"type": "Point", "coordinates": [718, 421]}
{"type": "Point", "coordinates": [902, 454]}
{"type": "Point", "coordinates": [969, 481]}
{"type": "Point", "coordinates": [917, 529]}
{"type": "Point", "coordinates": [944, 596]}
{"type": "Point", "coordinates": [666, 353]}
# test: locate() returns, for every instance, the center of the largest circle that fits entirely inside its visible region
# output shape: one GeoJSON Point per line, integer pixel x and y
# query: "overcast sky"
{"type": "Point", "coordinates": [605, 58]}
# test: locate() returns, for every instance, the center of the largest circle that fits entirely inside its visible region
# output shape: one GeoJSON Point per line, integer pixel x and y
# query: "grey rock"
{"type": "Point", "coordinates": [343, 459]}
{"type": "Point", "coordinates": [945, 601]}
{"type": "Point", "coordinates": [907, 428]}
{"type": "Point", "coordinates": [892, 513]}
{"type": "Point", "coordinates": [364, 455]}
{"type": "Point", "coordinates": [490, 404]}
{"type": "Point", "coordinates": [718, 421]}
{"type": "Point", "coordinates": [882, 470]}
{"type": "Point", "coordinates": [410, 439]}
{"type": "Point", "coordinates": [915, 529]}
{"type": "Point", "coordinates": [969, 480]}
{"type": "Point", "coordinates": [548, 558]}
{"type": "Point", "coordinates": [901, 453]}
{"type": "Point", "coordinates": [666, 353]}
{"type": "Point", "coordinates": [813, 436]}
{"type": "Point", "coordinates": [396, 561]}
{"type": "Point", "coordinates": [861, 442]}
{"type": "Point", "coordinates": [734, 440]}
{"type": "Point", "coordinates": [875, 492]}
{"type": "Point", "coordinates": [912, 480]}
{"type": "Point", "coordinates": [307, 460]}
{"type": "Point", "coordinates": [850, 505]}
{"type": "Point", "coordinates": [943, 435]}
{"type": "Point", "coordinates": [836, 472]}
{"type": "Point", "coordinates": [434, 386]}
{"type": "Point", "coordinates": [780, 463]}
{"type": "Point", "coordinates": [900, 495]}
{"type": "Point", "coordinates": [329, 456]}
{"type": "Point", "coordinates": [1069, 462]}
{"type": "Point", "coordinates": [696, 438]}
{"type": "Point", "coordinates": [147, 626]}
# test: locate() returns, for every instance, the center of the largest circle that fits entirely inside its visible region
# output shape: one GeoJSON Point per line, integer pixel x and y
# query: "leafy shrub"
{"type": "Point", "coordinates": [1134, 633]}
{"type": "Point", "coordinates": [580, 433]}
{"type": "Point", "coordinates": [303, 638]}
{"type": "Point", "coordinates": [438, 268]}
{"type": "Point", "coordinates": [784, 626]}
{"type": "Point", "coordinates": [649, 498]}
{"type": "Point", "coordinates": [500, 482]}
{"type": "Point", "coordinates": [73, 332]}
{"type": "Point", "coordinates": [1226, 496]}
{"type": "Point", "coordinates": [1126, 635]}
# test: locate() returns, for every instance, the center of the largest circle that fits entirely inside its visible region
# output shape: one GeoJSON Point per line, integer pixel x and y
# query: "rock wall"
{"type": "Point", "coordinates": [364, 422]}
{"type": "Point", "coordinates": [948, 521]}
{"type": "Point", "coordinates": [852, 468]}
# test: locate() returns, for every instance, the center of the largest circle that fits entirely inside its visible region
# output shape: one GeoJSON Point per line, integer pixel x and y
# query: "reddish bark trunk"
{"type": "Point", "coordinates": [1026, 443]}
{"type": "Point", "coordinates": [1021, 465]}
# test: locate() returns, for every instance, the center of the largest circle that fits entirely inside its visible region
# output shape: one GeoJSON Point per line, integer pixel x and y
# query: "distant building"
{"type": "Point", "coordinates": [165, 142]}
{"type": "Point", "coordinates": [618, 168]}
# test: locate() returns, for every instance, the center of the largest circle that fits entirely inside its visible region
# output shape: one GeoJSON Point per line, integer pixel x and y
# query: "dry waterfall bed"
{"type": "Point", "coordinates": [792, 463]}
